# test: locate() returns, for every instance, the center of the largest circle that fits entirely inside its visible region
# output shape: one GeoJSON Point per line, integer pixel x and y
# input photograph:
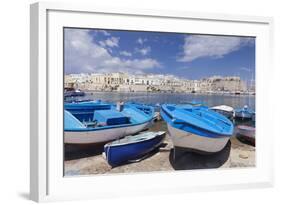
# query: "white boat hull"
{"type": "Point", "coordinates": [103, 135]}
{"type": "Point", "coordinates": [195, 142]}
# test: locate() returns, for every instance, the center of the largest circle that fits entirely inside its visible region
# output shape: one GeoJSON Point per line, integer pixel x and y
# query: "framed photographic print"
{"type": "Point", "coordinates": [128, 102]}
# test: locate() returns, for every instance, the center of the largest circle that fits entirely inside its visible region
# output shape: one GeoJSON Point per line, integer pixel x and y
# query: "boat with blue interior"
{"type": "Point", "coordinates": [197, 128]}
{"type": "Point", "coordinates": [97, 122]}
{"type": "Point", "coordinates": [244, 113]}
{"type": "Point", "coordinates": [132, 148]}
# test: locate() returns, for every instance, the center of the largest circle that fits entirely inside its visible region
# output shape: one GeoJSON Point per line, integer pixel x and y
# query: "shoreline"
{"type": "Point", "coordinates": [167, 92]}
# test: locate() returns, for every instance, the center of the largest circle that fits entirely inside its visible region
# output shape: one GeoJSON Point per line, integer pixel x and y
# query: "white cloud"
{"type": "Point", "coordinates": [110, 42]}
{"type": "Point", "coordinates": [125, 53]}
{"type": "Point", "coordinates": [84, 55]}
{"type": "Point", "coordinates": [104, 32]}
{"type": "Point", "coordinates": [135, 63]}
{"type": "Point", "coordinates": [198, 46]}
{"type": "Point", "coordinates": [141, 40]}
{"type": "Point", "coordinates": [143, 51]}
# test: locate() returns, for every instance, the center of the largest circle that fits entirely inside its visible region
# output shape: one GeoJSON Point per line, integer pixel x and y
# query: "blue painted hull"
{"type": "Point", "coordinates": [118, 155]}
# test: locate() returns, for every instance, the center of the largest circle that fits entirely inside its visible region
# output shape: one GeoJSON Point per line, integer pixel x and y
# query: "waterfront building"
{"type": "Point", "coordinates": [120, 81]}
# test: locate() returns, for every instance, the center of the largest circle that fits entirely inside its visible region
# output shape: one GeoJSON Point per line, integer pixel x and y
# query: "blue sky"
{"type": "Point", "coordinates": [187, 56]}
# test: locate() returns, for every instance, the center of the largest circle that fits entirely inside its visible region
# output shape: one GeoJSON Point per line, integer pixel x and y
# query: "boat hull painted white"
{"type": "Point", "coordinates": [103, 135]}
{"type": "Point", "coordinates": [195, 142]}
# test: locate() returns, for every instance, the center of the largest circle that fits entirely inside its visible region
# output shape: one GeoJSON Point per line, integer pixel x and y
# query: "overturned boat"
{"type": "Point", "coordinates": [97, 122]}
{"type": "Point", "coordinates": [224, 110]}
{"type": "Point", "coordinates": [197, 128]}
{"type": "Point", "coordinates": [132, 148]}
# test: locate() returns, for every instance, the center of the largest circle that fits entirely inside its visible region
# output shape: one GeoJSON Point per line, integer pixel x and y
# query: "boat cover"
{"type": "Point", "coordinates": [111, 117]}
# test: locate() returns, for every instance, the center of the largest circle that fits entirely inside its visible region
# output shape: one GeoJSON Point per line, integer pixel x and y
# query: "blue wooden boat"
{"type": "Point", "coordinates": [132, 148]}
{"type": "Point", "coordinates": [96, 121]}
{"type": "Point", "coordinates": [197, 128]}
{"type": "Point", "coordinates": [244, 113]}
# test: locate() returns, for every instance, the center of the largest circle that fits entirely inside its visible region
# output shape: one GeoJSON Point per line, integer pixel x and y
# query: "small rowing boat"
{"type": "Point", "coordinates": [132, 148]}
{"type": "Point", "coordinates": [244, 113]}
{"type": "Point", "coordinates": [197, 128]}
{"type": "Point", "coordinates": [247, 132]}
{"type": "Point", "coordinates": [97, 122]}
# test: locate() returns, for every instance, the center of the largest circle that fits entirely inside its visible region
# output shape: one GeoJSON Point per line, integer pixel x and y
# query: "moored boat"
{"type": "Point", "coordinates": [97, 122]}
{"type": "Point", "coordinates": [244, 113]}
{"type": "Point", "coordinates": [197, 128]}
{"type": "Point", "coordinates": [224, 110]}
{"type": "Point", "coordinates": [71, 92]}
{"type": "Point", "coordinates": [247, 132]}
{"type": "Point", "coordinates": [132, 147]}
{"type": "Point", "coordinates": [254, 117]}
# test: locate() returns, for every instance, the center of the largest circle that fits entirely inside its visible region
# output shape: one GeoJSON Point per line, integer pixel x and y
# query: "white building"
{"type": "Point", "coordinates": [125, 82]}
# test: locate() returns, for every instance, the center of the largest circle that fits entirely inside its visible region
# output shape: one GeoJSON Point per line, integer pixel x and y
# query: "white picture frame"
{"type": "Point", "coordinates": [46, 102]}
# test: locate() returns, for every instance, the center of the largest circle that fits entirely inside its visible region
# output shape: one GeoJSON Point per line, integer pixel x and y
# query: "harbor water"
{"type": "Point", "coordinates": [235, 101]}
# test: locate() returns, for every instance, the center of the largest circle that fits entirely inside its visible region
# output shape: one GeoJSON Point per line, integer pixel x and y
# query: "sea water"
{"type": "Point", "coordinates": [235, 101]}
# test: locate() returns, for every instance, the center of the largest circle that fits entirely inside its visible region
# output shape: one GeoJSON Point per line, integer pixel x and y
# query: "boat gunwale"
{"type": "Point", "coordinates": [105, 127]}
{"type": "Point", "coordinates": [134, 142]}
